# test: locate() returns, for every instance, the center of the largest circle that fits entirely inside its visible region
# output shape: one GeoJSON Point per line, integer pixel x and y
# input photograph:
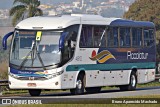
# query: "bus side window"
{"type": "Point", "coordinates": [136, 37]}
{"type": "Point", "coordinates": [110, 37]}
{"type": "Point", "coordinates": [125, 37]}
{"type": "Point", "coordinates": [112, 34]}
{"type": "Point", "coordinates": [99, 36]}
{"type": "Point", "coordinates": [115, 35]}
{"type": "Point", "coordinates": [86, 37]}
{"type": "Point", "coordinates": [70, 42]}
{"type": "Point", "coordinates": [148, 37]}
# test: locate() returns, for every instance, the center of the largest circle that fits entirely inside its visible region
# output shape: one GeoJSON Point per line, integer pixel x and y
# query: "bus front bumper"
{"type": "Point", "coordinates": [54, 83]}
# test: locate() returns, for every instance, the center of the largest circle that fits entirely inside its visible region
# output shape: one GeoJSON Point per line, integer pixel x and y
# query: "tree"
{"type": "Point", "coordinates": [24, 9]}
{"type": "Point", "coordinates": [145, 10]}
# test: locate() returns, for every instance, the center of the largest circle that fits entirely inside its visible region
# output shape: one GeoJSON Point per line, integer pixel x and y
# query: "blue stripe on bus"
{"type": "Point", "coordinates": [107, 67]}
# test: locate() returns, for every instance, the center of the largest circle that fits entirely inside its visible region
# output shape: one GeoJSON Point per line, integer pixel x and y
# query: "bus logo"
{"type": "Point", "coordinates": [101, 57]}
{"type": "Point", "coordinates": [31, 78]}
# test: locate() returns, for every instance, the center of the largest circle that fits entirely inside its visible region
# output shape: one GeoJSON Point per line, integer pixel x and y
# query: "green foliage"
{"type": "Point", "coordinates": [3, 62]}
{"type": "Point", "coordinates": [24, 9]}
{"type": "Point", "coordinates": [3, 54]}
{"type": "Point", "coordinates": [145, 10]}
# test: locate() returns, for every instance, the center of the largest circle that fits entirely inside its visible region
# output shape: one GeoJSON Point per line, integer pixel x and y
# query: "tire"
{"type": "Point", "coordinates": [34, 92]}
{"type": "Point", "coordinates": [93, 89]}
{"type": "Point", "coordinates": [132, 84]}
{"type": "Point", "coordinates": [80, 85]}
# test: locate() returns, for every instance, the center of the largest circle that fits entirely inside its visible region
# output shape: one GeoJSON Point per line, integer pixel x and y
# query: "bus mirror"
{"type": "Point", "coordinates": [62, 40]}
{"type": "Point", "coordinates": [4, 42]}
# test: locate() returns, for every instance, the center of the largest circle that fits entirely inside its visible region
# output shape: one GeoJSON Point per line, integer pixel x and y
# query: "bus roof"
{"type": "Point", "coordinates": [122, 22]}
{"type": "Point", "coordinates": [59, 22]}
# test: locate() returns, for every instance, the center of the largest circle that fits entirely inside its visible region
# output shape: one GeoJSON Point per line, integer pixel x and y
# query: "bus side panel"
{"type": "Point", "coordinates": [110, 78]}
{"type": "Point", "coordinates": [146, 75]}
{"type": "Point", "coordinates": [69, 80]}
{"type": "Point", "coordinates": [118, 77]}
{"type": "Point", "coordinates": [123, 77]}
{"type": "Point", "coordinates": [94, 78]}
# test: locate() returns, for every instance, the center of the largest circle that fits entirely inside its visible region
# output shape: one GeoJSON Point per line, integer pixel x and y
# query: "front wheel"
{"type": "Point", "coordinates": [34, 92]}
{"type": "Point", "coordinates": [79, 85]}
{"type": "Point", "coordinates": [132, 84]}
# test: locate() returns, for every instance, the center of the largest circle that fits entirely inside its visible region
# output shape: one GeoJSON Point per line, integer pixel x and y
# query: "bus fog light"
{"type": "Point", "coordinates": [56, 83]}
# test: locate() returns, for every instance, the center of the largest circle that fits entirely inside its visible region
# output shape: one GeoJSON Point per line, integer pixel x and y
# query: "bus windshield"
{"type": "Point", "coordinates": [26, 51]}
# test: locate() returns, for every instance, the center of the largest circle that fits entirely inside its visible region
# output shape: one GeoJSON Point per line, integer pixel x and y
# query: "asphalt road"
{"type": "Point", "coordinates": [114, 93]}
{"type": "Point", "coordinates": [65, 97]}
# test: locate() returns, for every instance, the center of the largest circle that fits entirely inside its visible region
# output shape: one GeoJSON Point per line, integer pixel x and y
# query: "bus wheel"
{"type": "Point", "coordinates": [34, 92]}
{"type": "Point", "coordinates": [79, 85]}
{"type": "Point", "coordinates": [93, 89]}
{"type": "Point", "coordinates": [132, 84]}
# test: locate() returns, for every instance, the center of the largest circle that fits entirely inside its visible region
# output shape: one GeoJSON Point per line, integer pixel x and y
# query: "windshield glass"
{"type": "Point", "coordinates": [35, 48]}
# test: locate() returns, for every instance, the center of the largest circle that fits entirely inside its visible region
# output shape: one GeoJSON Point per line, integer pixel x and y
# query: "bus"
{"type": "Point", "coordinates": [81, 53]}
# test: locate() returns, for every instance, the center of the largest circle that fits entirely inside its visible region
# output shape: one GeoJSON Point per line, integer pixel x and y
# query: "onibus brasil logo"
{"type": "Point", "coordinates": [101, 57]}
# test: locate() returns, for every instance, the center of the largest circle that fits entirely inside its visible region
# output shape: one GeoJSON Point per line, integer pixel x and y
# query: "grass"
{"type": "Point", "coordinates": [88, 105]}
{"type": "Point", "coordinates": [96, 105]}
{"type": "Point", "coordinates": [151, 84]}
{"type": "Point", "coordinates": [4, 73]}
{"type": "Point", "coordinates": [4, 70]}
{"type": "Point", "coordinates": [145, 96]}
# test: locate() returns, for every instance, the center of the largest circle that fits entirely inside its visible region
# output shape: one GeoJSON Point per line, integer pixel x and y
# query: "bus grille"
{"type": "Point", "coordinates": [32, 78]}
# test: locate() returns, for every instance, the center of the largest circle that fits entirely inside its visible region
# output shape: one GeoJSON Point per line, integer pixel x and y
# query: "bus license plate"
{"type": "Point", "coordinates": [31, 85]}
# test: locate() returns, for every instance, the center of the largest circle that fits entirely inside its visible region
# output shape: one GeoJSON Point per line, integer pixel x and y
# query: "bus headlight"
{"type": "Point", "coordinates": [13, 75]}
{"type": "Point", "coordinates": [55, 74]}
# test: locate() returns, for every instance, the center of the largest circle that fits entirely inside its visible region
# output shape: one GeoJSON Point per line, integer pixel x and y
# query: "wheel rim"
{"type": "Point", "coordinates": [133, 81]}
{"type": "Point", "coordinates": [79, 84]}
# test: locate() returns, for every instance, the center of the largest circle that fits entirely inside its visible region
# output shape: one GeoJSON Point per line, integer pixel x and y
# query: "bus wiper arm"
{"type": "Point", "coordinates": [40, 59]}
{"type": "Point", "coordinates": [25, 59]}
{"type": "Point", "coordinates": [34, 50]}
{"type": "Point", "coordinates": [33, 53]}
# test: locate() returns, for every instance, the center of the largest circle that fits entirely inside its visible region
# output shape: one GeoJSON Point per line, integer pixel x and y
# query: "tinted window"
{"type": "Point", "coordinates": [125, 37]}
{"type": "Point", "coordinates": [136, 37]}
{"type": "Point", "coordinates": [86, 37]}
{"type": "Point", "coordinates": [148, 37]}
{"type": "Point", "coordinates": [112, 34]}
{"type": "Point", "coordinates": [99, 36]}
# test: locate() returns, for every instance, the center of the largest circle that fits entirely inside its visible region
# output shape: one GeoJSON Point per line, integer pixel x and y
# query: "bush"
{"type": "Point", "coordinates": [4, 70]}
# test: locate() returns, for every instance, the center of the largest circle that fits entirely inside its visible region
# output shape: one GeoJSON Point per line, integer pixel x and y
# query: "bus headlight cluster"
{"type": "Point", "coordinates": [13, 75]}
{"type": "Point", "coordinates": [55, 74]}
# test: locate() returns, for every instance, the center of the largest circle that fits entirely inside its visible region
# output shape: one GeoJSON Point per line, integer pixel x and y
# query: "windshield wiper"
{"type": "Point", "coordinates": [33, 53]}
{"type": "Point", "coordinates": [25, 59]}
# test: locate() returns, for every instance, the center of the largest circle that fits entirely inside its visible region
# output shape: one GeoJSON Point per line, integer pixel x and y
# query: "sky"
{"type": "Point", "coordinates": [5, 4]}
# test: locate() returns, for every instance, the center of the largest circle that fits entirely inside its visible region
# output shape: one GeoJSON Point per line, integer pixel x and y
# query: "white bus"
{"type": "Point", "coordinates": [80, 52]}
